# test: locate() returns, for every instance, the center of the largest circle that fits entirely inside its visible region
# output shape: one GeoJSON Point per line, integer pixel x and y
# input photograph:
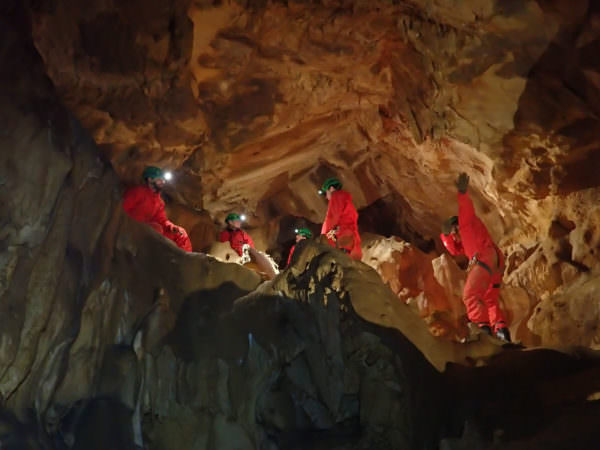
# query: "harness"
{"type": "Point", "coordinates": [476, 260]}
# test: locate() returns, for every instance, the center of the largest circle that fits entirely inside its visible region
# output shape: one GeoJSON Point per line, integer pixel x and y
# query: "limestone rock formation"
{"type": "Point", "coordinates": [253, 103]}
{"type": "Point", "coordinates": [433, 286]}
{"type": "Point", "coordinates": [106, 325]}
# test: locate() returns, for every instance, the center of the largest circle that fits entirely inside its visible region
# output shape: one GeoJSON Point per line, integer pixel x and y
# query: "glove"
{"type": "Point", "coordinates": [173, 228]}
{"type": "Point", "coordinates": [447, 226]}
{"type": "Point", "coordinates": [462, 183]}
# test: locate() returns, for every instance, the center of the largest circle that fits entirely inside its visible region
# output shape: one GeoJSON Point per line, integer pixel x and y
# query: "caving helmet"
{"type": "Point", "coordinates": [448, 224]}
{"type": "Point", "coordinates": [153, 172]}
{"type": "Point", "coordinates": [329, 182]}
{"type": "Point", "coordinates": [234, 216]}
{"type": "Point", "coordinates": [305, 232]}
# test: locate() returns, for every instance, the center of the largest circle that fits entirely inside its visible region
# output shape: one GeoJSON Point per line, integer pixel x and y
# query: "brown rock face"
{"type": "Point", "coordinates": [432, 286]}
{"type": "Point", "coordinates": [246, 101]}
{"type": "Point", "coordinates": [113, 338]}
{"type": "Point", "coordinates": [252, 104]}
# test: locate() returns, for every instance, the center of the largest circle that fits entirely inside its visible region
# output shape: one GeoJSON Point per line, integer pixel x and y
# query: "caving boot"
{"type": "Point", "coordinates": [485, 329]}
{"type": "Point", "coordinates": [503, 333]}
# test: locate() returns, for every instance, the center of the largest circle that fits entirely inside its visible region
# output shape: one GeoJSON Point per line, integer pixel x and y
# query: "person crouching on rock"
{"type": "Point", "coordinates": [235, 235]}
{"type": "Point", "coordinates": [340, 224]}
{"type": "Point", "coordinates": [466, 234]}
{"type": "Point", "coordinates": [301, 235]}
{"type": "Point", "coordinates": [242, 244]}
{"type": "Point", "coordinates": [144, 204]}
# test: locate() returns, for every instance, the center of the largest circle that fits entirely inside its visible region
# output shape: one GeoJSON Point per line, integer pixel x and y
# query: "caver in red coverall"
{"type": "Point", "coordinates": [237, 239]}
{"type": "Point", "coordinates": [342, 216]}
{"type": "Point", "coordinates": [482, 287]}
{"type": "Point", "coordinates": [290, 256]}
{"type": "Point", "coordinates": [291, 253]}
{"type": "Point", "coordinates": [144, 205]}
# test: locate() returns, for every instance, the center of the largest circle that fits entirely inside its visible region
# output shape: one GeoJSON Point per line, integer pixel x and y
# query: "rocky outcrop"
{"type": "Point", "coordinates": [106, 325]}
{"type": "Point", "coordinates": [432, 286]}
{"type": "Point", "coordinates": [252, 104]}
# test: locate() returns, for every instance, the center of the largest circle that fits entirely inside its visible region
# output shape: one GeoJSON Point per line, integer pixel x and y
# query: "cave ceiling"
{"type": "Point", "coordinates": [252, 104]}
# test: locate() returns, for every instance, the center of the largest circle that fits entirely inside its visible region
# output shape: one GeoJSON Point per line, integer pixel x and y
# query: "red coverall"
{"type": "Point", "coordinates": [237, 239]}
{"type": "Point", "coordinates": [291, 253]}
{"type": "Point", "coordinates": [144, 205]}
{"type": "Point", "coordinates": [482, 287]}
{"type": "Point", "coordinates": [341, 214]}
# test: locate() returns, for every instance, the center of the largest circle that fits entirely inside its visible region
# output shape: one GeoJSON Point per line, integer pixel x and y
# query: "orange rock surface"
{"type": "Point", "coordinates": [252, 104]}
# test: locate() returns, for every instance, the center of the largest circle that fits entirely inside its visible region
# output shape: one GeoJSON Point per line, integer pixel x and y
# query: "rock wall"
{"type": "Point", "coordinates": [107, 326]}
{"type": "Point", "coordinates": [252, 104]}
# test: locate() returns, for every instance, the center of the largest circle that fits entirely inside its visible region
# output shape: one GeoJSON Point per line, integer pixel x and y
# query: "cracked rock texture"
{"type": "Point", "coordinates": [105, 325]}
{"type": "Point", "coordinates": [252, 104]}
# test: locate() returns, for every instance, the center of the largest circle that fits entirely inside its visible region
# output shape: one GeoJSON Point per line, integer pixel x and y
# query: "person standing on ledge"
{"type": "Point", "coordinates": [301, 235]}
{"type": "Point", "coordinates": [143, 203]}
{"type": "Point", "coordinates": [340, 224]}
{"type": "Point", "coordinates": [466, 234]}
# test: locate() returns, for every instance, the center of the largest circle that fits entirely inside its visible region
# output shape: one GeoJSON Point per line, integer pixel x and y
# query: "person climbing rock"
{"type": "Point", "coordinates": [144, 204]}
{"type": "Point", "coordinates": [466, 234]}
{"type": "Point", "coordinates": [340, 224]}
{"type": "Point", "coordinates": [235, 235]}
{"type": "Point", "coordinates": [301, 235]}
